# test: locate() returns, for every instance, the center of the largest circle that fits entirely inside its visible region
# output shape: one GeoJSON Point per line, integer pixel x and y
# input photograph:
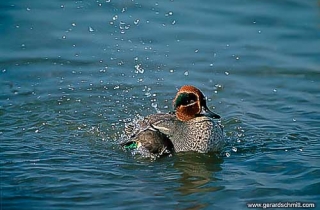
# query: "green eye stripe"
{"type": "Point", "coordinates": [185, 99]}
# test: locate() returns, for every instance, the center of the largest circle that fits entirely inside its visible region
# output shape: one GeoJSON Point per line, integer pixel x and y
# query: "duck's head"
{"type": "Point", "coordinates": [190, 103]}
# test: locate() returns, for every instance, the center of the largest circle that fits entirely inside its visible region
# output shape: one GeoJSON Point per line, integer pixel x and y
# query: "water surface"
{"type": "Point", "coordinates": [72, 73]}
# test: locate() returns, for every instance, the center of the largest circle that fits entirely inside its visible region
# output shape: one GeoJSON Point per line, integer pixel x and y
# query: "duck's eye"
{"type": "Point", "coordinates": [185, 99]}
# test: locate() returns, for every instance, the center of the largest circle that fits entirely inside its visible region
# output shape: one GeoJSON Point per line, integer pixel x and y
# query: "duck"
{"type": "Point", "coordinates": [192, 126]}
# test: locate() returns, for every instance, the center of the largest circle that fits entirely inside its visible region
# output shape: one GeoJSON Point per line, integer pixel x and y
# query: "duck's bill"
{"type": "Point", "coordinates": [207, 112]}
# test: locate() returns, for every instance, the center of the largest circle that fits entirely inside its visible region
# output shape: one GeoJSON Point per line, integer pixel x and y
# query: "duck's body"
{"type": "Point", "coordinates": [191, 128]}
{"type": "Point", "coordinates": [201, 134]}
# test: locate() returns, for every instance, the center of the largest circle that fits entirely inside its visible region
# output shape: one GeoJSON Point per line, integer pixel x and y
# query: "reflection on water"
{"type": "Point", "coordinates": [197, 178]}
{"type": "Point", "coordinates": [198, 172]}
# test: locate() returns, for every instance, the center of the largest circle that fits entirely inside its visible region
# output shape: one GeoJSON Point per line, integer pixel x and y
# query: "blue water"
{"type": "Point", "coordinates": [72, 73]}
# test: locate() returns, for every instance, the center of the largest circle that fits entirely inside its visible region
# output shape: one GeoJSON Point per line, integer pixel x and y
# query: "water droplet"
{"type": "Point", "coordinates": [115, 17]}
{"type": "Point", "coordinates": [90, 29]}
{"type": "Point", "coordinates": [234, 149]}
{"type": "Point", "coordinates": [186, 73]}
{"type": "Point", "coordinates": [155, 106]}
{"type": "Point", "coordinates": [122, 25]}
{"type": "Point", "coordinates": [116, 87]}
{"type": "Point", "coordinates": [136, 22]}
{"type": "Point", "coordinates": [139, 69]}
{"type": "Point", "coordinates": [168, 14]}
{"type": "Point", "coordinates": [227, 154]}
{"type": "Point", "coordinates": [226, 73]}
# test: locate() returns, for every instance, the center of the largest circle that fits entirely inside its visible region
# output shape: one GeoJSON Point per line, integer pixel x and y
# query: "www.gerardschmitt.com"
{"type": "Point", "coordinates": [282, 205]}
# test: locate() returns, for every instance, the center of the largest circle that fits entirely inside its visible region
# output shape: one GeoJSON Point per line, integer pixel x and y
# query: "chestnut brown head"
{"type": "Point", "coordinates": [190, 103]}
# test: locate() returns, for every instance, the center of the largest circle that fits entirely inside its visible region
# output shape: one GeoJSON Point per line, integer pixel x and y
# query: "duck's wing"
{"type": "Point", "coordinates": [136, 126]}
{"type": "Point", "coordinates": [166, 125]}
{"type": "Point", "coordinates": [151, 140]}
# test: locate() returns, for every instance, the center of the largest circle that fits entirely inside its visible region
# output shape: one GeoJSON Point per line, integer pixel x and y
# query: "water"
{"type": "Point", "coordinates": [72, 73]}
